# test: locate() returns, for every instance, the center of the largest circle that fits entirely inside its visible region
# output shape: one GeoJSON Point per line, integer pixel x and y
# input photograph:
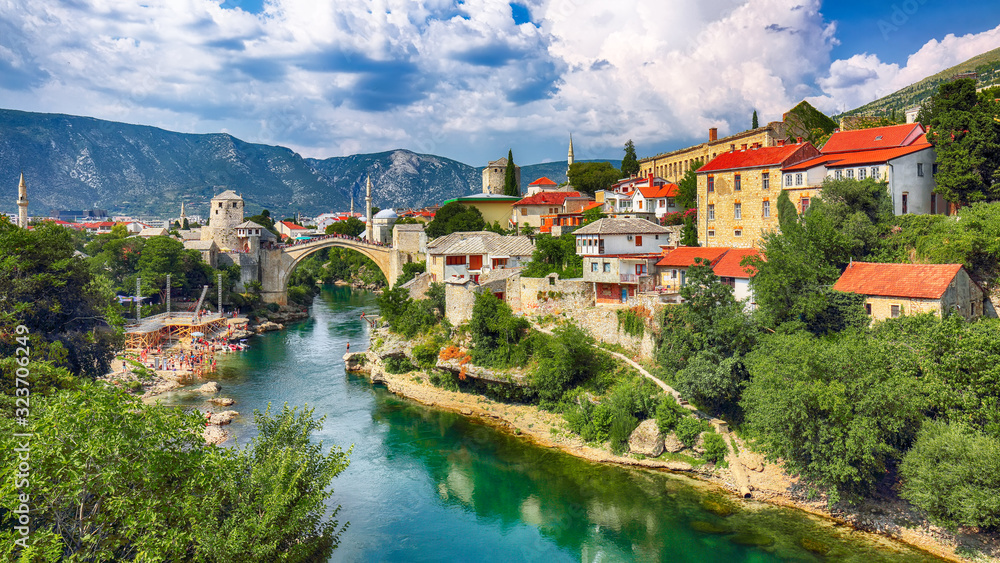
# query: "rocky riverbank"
{"type": "Point", "coordinates": [888, 516]}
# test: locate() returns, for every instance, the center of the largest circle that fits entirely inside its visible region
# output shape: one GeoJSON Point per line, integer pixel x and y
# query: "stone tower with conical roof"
{"type": "Point", "coordinates": [225, 213]}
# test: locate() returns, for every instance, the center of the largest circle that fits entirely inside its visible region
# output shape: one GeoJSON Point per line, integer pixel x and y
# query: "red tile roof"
{"type": "Point", "coordinates": [543, 181]}
{"type": "Point", "coordinates": [729, 265]}
{"type": "Point", "coordinates": [590, 206]}
{"type": "Point", "coordinates": [875, 138]}
{"type": "Point", "coordinates": [293, 226]}
{"type": "Point", "coordinates": [664, 190]}
{"type": "Point", "coordinates": [918, 281]}
{"type": "Point", "coordinates": [856, 158]}
{"type": "Point", "coordinates": [684, 256]}
{"type": "Point", "coordinates": [760, 158]}
{"type": "Point", "coordinates": [547, 198]}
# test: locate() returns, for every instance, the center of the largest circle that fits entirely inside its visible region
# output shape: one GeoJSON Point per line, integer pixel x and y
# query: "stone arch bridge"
{"type": "Point", "coordinates": [277, 264]}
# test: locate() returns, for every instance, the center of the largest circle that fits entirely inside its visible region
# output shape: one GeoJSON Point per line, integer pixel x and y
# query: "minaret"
{"type": "Point", "coordinates": [569, 156]}
{"type": "Point", "coordinates": [352, 205]}
{"type": "Point", "coordinates": [369, 233]}
{"type": "Point", "coordinates": [182, 213]}
{"type": "Point", "coordinates": [22, 204]}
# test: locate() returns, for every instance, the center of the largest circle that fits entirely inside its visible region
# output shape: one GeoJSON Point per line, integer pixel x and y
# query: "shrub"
{"type": "Point", "coordinates": [426, 355]}
{"type": "Point", "coordinates": [632, 321]}
{"type": "Point", "coordinates": [564, 361]}
{"type": "Point", "coordinates": [715, 448]}
{"type": "Point", "coordinates": [688, 429]}
{"type": "Point", "coordinates": [398, 364]}
{"type": "Point", "coordinates": [668, 414]}
{"type": "Point", "coordinates": [444, 379]}
{"type": "Point", "coordinates": [497, 333]}
{"type": "Point", "coordinates": [273, 307]}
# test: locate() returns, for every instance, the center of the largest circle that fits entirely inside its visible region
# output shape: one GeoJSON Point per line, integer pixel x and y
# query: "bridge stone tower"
{"type": "Point", "coordinates": [225, 216]}
{"type": "Point", "coordinates": [22, 204]}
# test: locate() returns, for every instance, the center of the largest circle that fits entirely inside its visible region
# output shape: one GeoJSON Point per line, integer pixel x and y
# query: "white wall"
{"type": "Point", "coordinates": [903, 178]}
{"type": "Point", "coordinates": [619, 244]}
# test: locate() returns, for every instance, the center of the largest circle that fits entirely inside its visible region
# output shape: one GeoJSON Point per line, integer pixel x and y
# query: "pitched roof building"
{"type": "Point", "coordinates": [892, 290]}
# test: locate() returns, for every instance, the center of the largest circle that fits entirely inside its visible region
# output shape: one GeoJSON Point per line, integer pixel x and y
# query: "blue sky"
{"type": "Point", "coordinates": [470, 79]}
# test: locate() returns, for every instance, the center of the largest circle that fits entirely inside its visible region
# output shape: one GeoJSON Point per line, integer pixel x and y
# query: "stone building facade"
{"type": "Point", "coordinates": [493, 176]}
{"type": "Point", "coordinates": [673, 165]}
{"type": "Point", "coordinates": [738, 193]}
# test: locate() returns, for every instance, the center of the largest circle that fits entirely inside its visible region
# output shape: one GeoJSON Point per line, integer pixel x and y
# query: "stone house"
{"type": "Point", "coordinates": [738, 193]}
{"type": "Point", "coordinates": [207, 248]}
{"type": "Point", "coordinates": [619, 257]}
{"type": "Point", "coordinates": [287, 229]}
{"type": "Point", "coordinates": [672, 267]}
{"type": "Point", "coordinates": [528, 211]}
{"type": "Point", "coordinates": [899, 155]}
{"type": "Point", "coordinates": [468, 255]}
{"type": "Point", "coordinates": [673, 165]}
{"type": "Point", "coordinates": [893, 290]}
{"type": "Point", "coordinates": [542, 184]}
{"type": "Point", "coordinates": [737, 276]}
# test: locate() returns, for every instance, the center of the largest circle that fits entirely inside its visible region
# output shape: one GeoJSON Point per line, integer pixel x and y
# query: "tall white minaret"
{"type": "Point", "coordinates": [22, 204]}
{"type": "Point", "coordinates": [352, 205]}
{"type": "Point", "coordinates": [569, 156]}
{"type": "Point", "coordinates": [369, 232]}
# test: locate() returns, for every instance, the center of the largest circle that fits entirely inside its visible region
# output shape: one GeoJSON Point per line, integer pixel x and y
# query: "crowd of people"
{"type": "Point", "coordinates": [324, 237]}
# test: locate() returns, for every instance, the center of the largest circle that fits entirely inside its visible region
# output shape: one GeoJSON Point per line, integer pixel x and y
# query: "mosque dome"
{"type": "Point", "coordinates": [386, 214]}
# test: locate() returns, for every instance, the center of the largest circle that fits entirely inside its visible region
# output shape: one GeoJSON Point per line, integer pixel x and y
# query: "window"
{"type": "Point", "coordinates": [638, 240]}
{"type": "Point", "coordinates": [711, 232]}
{"type": "Point", "coordinates": [673, 274]}
{"type": "Point", "coordinates": [788, 180]}
{"type": "Point", "coordinates": [737, 211]}
{"type": "Point", "coordinates": [868, 308]}
{"type": "Point", "coordinates": [765, 180]}
{"type": "Point", "coordinates": [524, 211]}
{"type": "Point", "coordinates": [607, 267]}
{"type": "Point", "coordinates": [875, 173]}
{"type": "Point", "coordinates": [711, 184]}
{"type": "Point", "coordinates": [640, 204]}
{"type": "Point", "coordinates": [838, 174]}
{"type": "Point", "coordinates": [804, 203]}
{"type": "Point", "coordinates": [861, 173]}
{"type": "Point", "coordinates": [920, 169]}
{"type": "Point", "coordinates": [640, 269]}
{"type": "Point", "coordinates": [455, 260]}
{"type": "Point", "coordinates": [933, 204]}
{"type": "Point", "coordinates": [849, 173]}
{"type": "Point", "coordinates": [903, 203]}
{"type": "Point", "coordinates": [663, 203]}
{"type": "Point", "coordinates": [766, 209]}
{"type": "Point", "coordinates": [737, 183]}
{"type": "Point", "coordinates": [220, 204]}
{"type": "Point", "coordinates": [895, 310]}
{"type": "Point", "coordinates": [798, 179]}
{"type": "Point", "coordinates": [711, 212]}
{"type": "Point", "coordinates": [593, 266]}
{"type": "Point", "coordinates": [738, 232]}
{"type": "Point", "coordinates": [934, 168]}
{"type": "Point", "coordinates": [670, 202]}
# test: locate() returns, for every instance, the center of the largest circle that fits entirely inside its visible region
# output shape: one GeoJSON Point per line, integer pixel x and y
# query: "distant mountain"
{"type": "Point", "coordinates": [986, 66]}
{"type": "Point", "coordinates": [72, 162]}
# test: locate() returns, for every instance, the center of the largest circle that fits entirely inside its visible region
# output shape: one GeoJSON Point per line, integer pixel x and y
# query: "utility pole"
{"type": "Point", "coordinates": [220, 296]}
{"type": "Point", "coordinates": [138, 301]}
{"type": "Point", "coordinates": [168, 293]}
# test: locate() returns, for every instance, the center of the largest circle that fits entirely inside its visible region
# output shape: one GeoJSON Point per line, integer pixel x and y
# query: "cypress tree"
{"type": "Point", "coordinates": [754, 123]}
{"type": "Point", "coordinates": [510, 186]}
{"type": "Point", "coordinates": [630, 164]}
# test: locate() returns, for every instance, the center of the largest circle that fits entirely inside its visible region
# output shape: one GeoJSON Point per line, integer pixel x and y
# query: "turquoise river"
{"type": "Point", "coordinates": [427, 485]}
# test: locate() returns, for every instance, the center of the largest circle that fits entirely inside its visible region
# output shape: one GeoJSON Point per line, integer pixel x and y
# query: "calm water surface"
{"type": "Point", "coordinates": [425, 485]}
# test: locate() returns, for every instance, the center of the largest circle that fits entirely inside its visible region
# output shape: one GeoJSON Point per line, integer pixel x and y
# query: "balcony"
{"type": "Point", "coordinates": [628, 278]}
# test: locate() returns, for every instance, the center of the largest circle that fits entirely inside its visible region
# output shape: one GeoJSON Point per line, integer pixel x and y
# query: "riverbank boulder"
{"type": "Point", "coordinates": [222, 401]}
{"type": "Point", "coordinates": [646, 439]}
{"type": "Point", "coordinates": [268, 326]}
{"type": "Point", "coordinates": [209, 388]}
{"type": "Point", "coordinates": [672, 444]}
{"type": "Point", "coordinates": [214, 435]}
{"type": "Point", "coordinates": [222, 418]}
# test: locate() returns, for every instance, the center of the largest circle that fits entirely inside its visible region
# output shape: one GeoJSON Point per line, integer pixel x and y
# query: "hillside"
{"type": "Point", "coordinates": [986, 65]}
{"type": "Point", "coordinates": [72, 162]}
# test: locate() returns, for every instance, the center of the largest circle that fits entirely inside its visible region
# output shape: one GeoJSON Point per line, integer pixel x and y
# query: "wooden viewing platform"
{"type": "Point", "coordinates": [155, 329]}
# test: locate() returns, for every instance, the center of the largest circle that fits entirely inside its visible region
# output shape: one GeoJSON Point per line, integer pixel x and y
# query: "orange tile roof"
{"type": "Point", "coordinates": [590, 206]}
{"type": "Point", "coordinates": [759, 158]}
{"type": "Point", "coordinates": [854, 158]}
{"type": "Point", "coordinates": [547, 198]}
{"type": "Point", "coordinates": [918, 281]}
{"type": "Point", "coordinates": [874, 138]}
{"type": "Point", "coordinates": [543, 181]}
{"type": "Point", "coordinates": [293, 226]}
{"type": "Point", "coordinates": [684, 256]}
{"type": "Point", "coordinates": [729, 265]}
{"type": "Point", "coordinates": [663, 190]}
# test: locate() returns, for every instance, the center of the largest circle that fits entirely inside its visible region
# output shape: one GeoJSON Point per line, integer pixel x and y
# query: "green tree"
{"type": "Point", "coordinates": [565, 360]}
{"type": "Point", "coordinates": [965, 133]}
{"type": "Point", "coordinates": [953, 474]}
{"type": "Point", "coordinates": [186, 225]}
{"type": "Point", "coordinates": [554, 254]}
{"type": "Point", "coordinates": [496, 333]}
{"type": "Point", "coordinates": [264, 219]}
{"type": "Point", "coordinates": [687, 188]}
{"type": "Point", "coordinates": [593, 214]}
{"type": "Point", "coordinates": [590, 177]}
{"type": "Point", "coordinates": [352, 227]}
{"type": "Point", "coordinates": [455, 217]}
{"type": "Point", "coordinates": [753, 121]}
{"type": "Point", "coordinates": [838, 410]}
{"type": "Point", "coordinates": [410, 271]}
{"type": "Point", "coordinates": [630, 164]}
{"type": "Point", "coordinates": [510, 186]}
{"type": "Point", "coordinates": [689, 232]}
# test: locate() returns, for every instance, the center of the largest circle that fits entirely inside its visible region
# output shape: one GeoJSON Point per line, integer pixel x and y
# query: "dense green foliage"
{"type": "Point", "coordinates": [510, 185]}
{"type": "Point", "coordinates": [953, 473]}
{"type": "Point", "coordinates": [630, 322]}
{"type": "Point", "coordinates": [687, 187]}
{"type": "Point", "coordinates": [590, 177]}
{"type": "Point", "coordinates": [715, 448]}
{"type": "Point", "coordinates": [410, 271]}
{"type": "Point", "coordinates": [115, 479]}
{"type": "Point", "coordinates": [264, 220]}
{"type": "Point", "coordinates": [754, 123]}
{"type": "Point", "coordinates": [409, 317]}
{"type": "Point", "coordinates": [689, 428]}
{"type": "Point", "coordinates": [564, 361]}
{"type": "Point", "coordinates": [808, 122]}
{"type": "Point", "coordinates": [350, 265]}
{"type": "Point", "coordinates": [554, 255]}
{"type": "Point", "coordinates": [966, 137]}
{"type": "Point", "coordinates": [454, 217]}
{"type": "Point", "coordinates": [498, 337]}
{"type": "Point", "coordinates": [630, 163]}
{"type": "Point", "coordinates": [352, 227]}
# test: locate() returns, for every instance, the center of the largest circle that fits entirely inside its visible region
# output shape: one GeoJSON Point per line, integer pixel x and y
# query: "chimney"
{"type": "Point", "coordinates": [798, 140]}
{"type": "Point", "coordinates": [651, 179]}
{"type": "Point", "coordinates": [713, 134]}
{"type": "Point", "coordinates": [743, 147]}
{"type": "Point", "coordinates": [781, 142]}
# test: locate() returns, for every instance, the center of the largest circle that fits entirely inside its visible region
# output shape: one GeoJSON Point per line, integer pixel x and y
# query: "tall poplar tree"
{"type": "Point", "coordinates": [630, 164]}
{"type": "Point", "coordinates": [510, 186]}
{"type": "Point", "coordinates": [754, 123]}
